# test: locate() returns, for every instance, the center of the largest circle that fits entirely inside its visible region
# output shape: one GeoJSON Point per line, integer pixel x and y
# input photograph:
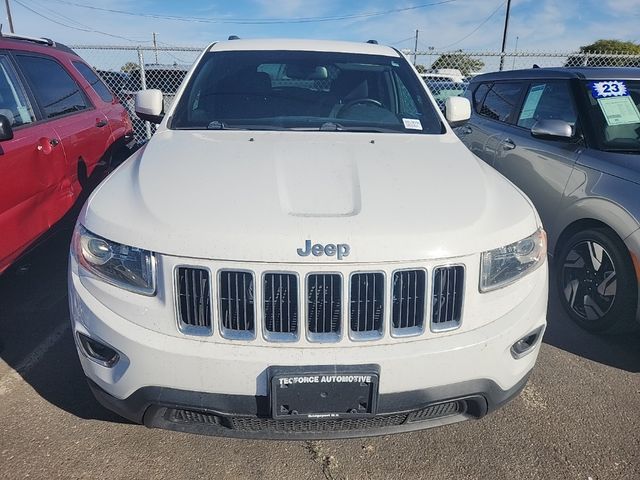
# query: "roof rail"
{"type": "Point", "coordinates": [373, 42]}
{"type": "Point", "coordinates": [42, 41]}
{"type": "Point", "coordinates": [233, 37]}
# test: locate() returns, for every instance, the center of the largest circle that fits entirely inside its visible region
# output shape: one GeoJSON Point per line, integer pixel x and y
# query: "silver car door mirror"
{"type": "Point", "coordinates": [552, 129]}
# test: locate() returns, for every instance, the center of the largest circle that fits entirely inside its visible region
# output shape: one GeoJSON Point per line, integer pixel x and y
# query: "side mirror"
{"type": "Point", "coordinates": [149, 105]}
{"type": "Point", "coordinates": [457, 110]}
{"type": "Point", "coordinates": [551, 129]}
{"type": "Point", "coordinates": [6, 132]}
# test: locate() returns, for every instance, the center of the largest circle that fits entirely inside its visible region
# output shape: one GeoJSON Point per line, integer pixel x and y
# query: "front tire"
{"type": "Point", "coordinates": [596, 281]}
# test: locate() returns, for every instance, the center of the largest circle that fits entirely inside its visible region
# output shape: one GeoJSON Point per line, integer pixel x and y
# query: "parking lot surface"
{"type": "Point", "coordinates": [579, 416]}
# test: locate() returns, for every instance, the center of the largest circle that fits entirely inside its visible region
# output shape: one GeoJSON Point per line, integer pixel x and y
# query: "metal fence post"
{"type": "Point", "coordinates": [143, 85]}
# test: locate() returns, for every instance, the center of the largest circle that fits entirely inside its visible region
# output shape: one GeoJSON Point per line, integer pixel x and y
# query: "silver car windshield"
{"type": "Point", "coordinates": [614, 111]}
{"type": "Point", "coordinates": [301, 90]}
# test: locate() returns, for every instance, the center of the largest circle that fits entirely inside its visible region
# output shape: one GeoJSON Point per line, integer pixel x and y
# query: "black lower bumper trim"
{"type": "Point", "coordinates": [250, 417]}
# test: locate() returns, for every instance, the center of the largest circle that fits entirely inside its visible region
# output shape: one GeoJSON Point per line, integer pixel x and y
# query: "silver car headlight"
{"type": "Point", "coordinates": [505, 265]}
{"type": "Point", "coordinates": [121, 265]}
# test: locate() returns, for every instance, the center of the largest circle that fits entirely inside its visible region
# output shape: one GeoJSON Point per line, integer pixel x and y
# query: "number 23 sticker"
{"type": "Point", "coordinates": [610, 88]}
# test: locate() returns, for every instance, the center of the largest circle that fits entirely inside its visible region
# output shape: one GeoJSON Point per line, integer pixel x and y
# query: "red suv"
{"type": "Point", "coordinates": [60, 129]}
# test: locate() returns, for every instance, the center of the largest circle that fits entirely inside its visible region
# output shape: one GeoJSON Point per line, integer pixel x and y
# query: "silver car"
{"type": "Point", "coordinates": [570, 139]}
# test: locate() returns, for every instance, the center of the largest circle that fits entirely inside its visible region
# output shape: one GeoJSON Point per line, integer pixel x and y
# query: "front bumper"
{"type": "Point", "coordinates": [188, 384]}
{"type": "Point", "coordinates": [216, 414]}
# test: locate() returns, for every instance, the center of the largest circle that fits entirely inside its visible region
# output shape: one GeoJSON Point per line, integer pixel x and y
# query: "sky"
{"type": "Point", "coordinates": [536, 25]}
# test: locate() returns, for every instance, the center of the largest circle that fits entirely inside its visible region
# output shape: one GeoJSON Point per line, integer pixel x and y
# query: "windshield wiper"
{"type": "Point", "coordinates": [338, 127]}
{"type": "Point", "coordinates": [218, 125]}
{"type": "Point", "coordinates": [623, 150]}
{"type": "Point", "coordinates": [325, 127]}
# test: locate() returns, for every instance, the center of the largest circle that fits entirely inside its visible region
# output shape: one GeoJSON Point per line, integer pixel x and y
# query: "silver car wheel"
{"type": "Point", "coordinates": [589, 280]}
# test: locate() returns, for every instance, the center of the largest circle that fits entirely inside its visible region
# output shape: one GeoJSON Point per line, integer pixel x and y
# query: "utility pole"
{"type": "Point", "coordinates": [155, 46]}
{"type": "Point", "coordinates": [504, 35]}
{"type": "Point", "coordinates": [6, 2]}
{"type": "Point", "coordinates": [415, 50]}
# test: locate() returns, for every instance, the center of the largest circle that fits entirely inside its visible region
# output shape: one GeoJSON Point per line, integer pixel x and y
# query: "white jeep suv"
{"type": "Point", "coordinates": [304, 249]}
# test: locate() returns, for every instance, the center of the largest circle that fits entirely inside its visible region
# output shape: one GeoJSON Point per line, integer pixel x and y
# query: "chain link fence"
{"type": "Point", "coordinates": [128, 69]}
{"type": "Point", "coordinates": [448, 73]}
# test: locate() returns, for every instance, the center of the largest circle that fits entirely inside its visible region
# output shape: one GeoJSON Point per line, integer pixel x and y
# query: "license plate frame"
{"type": "Point", "coordinates": [324, 392]}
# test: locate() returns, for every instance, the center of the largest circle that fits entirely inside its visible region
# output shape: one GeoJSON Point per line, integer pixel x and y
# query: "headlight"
{"type": "Point", "coordinates": [126, 267]}
{"type": "Point", "coordinates": [505, 265]}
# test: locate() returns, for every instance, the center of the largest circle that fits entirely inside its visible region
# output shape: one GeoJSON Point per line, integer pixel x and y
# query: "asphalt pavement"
{"type": "Point", "coordinates": [578, 418]}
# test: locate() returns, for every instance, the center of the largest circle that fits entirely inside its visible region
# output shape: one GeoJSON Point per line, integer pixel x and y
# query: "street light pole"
{"type": "Point", "coordinates": [6, 2]}
{"type": "Point", "coordinates": [415, 49]}
{"type": "Point", "coordinates": [504, 35]}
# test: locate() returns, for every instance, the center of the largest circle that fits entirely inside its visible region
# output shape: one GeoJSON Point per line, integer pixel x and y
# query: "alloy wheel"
{"type": "Point", "coordinates": [589, 280]}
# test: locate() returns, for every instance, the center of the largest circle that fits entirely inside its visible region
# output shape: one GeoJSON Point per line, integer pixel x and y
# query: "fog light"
{"type": "Point", "coordinates": [526, 344]}
{"type": "Point", "coordinates": [98, 352]}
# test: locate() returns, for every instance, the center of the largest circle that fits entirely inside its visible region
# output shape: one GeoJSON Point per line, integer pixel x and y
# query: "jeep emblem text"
{"type": "Point", "coordinates": [330, 250]}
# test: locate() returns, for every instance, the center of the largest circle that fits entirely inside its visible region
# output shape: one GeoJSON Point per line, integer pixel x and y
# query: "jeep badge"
{"type": "Point", "coordinates": [330, 250]}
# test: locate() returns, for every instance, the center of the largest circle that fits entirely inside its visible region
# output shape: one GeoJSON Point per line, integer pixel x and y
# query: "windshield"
{"type": "Point", "coordinates": [614, 114]}
{"type": "Point", "coordinates": [267, 90]}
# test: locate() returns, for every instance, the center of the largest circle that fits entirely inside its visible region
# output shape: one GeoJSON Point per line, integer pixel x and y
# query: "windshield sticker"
{"type": "Point", "coordinates": [611, 88]}
{"type": "Point", "coordinates": [412, 123]}
{"type": "Point", "coordinates": [533, 99]}
{"type": "Point", "coordinates": [619, 110]}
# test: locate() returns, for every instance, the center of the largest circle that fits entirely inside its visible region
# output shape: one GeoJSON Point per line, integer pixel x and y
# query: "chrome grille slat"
{"type": "Point", "coordinates": [280, 305]}
{"type": "Point", "coordinates": [236, 304]}
{"type": "Point", "coordinates": [324, 304]}
{"type": "Point", "coordinates": [193, 300]}
{"type": "Point", "coordinates": [366, 304]}
{"type": "Point", "coordinates": [408, 301]}
{"type": "Point", "coordinates": [447, 297]}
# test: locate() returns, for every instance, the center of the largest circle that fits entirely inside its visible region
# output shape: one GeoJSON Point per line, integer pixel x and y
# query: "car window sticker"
{"type": "Point", "coordinates": [532, 101]}
{"type": "Point", "coordinates": [619, 110]}
{"type": "Point", "coordinates": [609, 88]}
{"type": "Point", "coordinates": [412, 123]}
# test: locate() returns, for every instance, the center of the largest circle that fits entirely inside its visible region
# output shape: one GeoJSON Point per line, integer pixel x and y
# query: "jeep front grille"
{"type": "Point", "coordinates": [237, 312]}
{"type": "Point", "coordinates": [448, 288]}
{"type": "Point", "coordinates": [194, 299]}
{"type": "Point", "coordinates": [366, 304]}
{"type": "Point", "coordinates": [318, 307]}
{"type": "Point", "coordinates": [324, 304]}
{"type": "Point", "coordinates": [280, 305]}
{"type": "Point", "coordinates": [409, 295]}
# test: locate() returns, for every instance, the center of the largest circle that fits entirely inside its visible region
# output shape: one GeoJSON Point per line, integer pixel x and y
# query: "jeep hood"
{"type": "Point", "coordinates": [258, 196]}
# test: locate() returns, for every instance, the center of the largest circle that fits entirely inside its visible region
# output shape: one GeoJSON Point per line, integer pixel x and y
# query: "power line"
{"type": "Point", "coordinates": [425, 44]}
{"type": "Point", "coordinates": [266, 21]}
{"type": "Point", "coordinates": [475, 29]}
{"type": "Point", "coordinates": [403, 40]}
{"type": "Point", "coordinates": [85, 29]}
{"type": "Point", "coordinates": [181, 60]}
{"type": "Point", "coordinates": [85, 26]}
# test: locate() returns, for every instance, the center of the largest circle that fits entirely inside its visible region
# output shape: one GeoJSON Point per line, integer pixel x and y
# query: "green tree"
{"type": "Point", "coordinates": [612, 46]}
{"type": "Point", "coordinates": [459, 60]}
{"type": "Point", "coordinates": [129, 67]}
{"type": "Point", "coordinates": [601, 53]}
